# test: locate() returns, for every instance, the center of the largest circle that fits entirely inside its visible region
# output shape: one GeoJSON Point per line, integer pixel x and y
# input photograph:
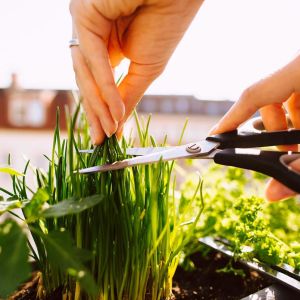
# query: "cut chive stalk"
{"type": "Point", "coordinates": [127, 245]}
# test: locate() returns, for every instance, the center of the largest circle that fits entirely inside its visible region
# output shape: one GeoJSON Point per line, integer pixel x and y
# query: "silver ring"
{"type": "Point", "coordinates": [73, 42]}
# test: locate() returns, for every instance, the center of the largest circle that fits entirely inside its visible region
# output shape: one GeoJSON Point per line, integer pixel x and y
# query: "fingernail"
{"type": "Point", "coordinates": [108, 134]}
{"type": "Point", "coordinates": [110, 128]}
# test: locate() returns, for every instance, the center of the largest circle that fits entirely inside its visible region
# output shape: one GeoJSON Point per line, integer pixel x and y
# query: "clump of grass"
{"type": "Point", "coordinates": [115, 235]}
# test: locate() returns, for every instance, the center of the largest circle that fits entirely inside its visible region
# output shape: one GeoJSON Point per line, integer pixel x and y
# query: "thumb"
{"type": "Point", "coordinates": [276, 191]}
{"type": "Point", "coordinates": [274, 89]}
{"type": "Point", "coordinates": [135, 84]}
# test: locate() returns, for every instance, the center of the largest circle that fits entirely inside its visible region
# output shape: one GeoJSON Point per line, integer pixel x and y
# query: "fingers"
{"type": "Point", "coordinates": [95, 53]}
{"type": "Point", "coordinates": [293, 108]}
{"type": "Point", "coordinates": [97, 133]}
{"type": "Point", "coordinates": [250, 101]}
{"type": "Point", "coordinates": [274, 119]}
{"type": "Point", "coordinates": [135, 83]}
{"type": "Point", "coordinates": [120, 132]}
{"type": "Point", "coordinates": [275, 191]}
{"type": "Point", "coordinates": [274, 89]}
{"type": "Point", "coordinates": [268, 95]}
{"type": "Point", "coordinates": [92, 99]}
{"type": "Point", "coordinates": [115, 51]}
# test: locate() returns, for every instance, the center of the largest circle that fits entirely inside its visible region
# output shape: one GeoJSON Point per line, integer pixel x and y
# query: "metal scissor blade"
{"type": "Point", "coordinates": [134, 151]}
{"type": "Point", "coordinates": [145, 150]}
{"type": "Point", "coordinates": [89, 151]}
{"type": "Point", "coordinates": [179, 152]}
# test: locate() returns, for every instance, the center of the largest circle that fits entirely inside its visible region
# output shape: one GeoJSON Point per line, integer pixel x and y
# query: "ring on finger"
{"type": "Point", "coordinates": [73, 42]}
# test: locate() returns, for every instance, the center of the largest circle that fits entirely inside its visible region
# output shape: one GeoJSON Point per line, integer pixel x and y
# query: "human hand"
{"type": "Point", "coordinates": [276, 191]}
{"type": "Point", "coordinates": [272, 96]}
{"type": "Point", "coordinates": [144, 31]}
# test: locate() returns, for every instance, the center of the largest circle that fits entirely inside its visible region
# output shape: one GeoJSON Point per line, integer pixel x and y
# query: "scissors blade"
{"type": "Point", "coordinates": [145, 150]}
{"type": "Point", "coordinates": [179, 152]}
{"type": "Point", "coordinates": [133, 151]}
{"type": "Point", "coordinates": [89, 151]}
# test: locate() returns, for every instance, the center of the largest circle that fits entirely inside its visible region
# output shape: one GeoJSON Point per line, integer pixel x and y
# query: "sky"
{"type": "Point", "coordinates": [229, 45]}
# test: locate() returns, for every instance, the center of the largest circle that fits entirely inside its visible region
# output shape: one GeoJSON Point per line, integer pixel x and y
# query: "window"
{"type": "Point", "coordinates": [167, 106]}
{"type": "Point", "coordinates": [23, 112]}
{"type": "Point", "coordinates": [149, 105]}
{"type": "Point", "coordinates": [182, 105]}
{"type": "Point", "coordinates": [36, 116]}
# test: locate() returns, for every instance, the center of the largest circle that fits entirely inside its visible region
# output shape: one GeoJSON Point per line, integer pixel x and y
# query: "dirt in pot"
{"type": "Point", "coordinates": [207, 282]}
{"type": "Point", "coordinates": [27, 291]}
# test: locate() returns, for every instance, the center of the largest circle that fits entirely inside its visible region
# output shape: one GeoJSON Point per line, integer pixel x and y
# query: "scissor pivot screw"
{"type": "Point", "coordinates": [193, 148]}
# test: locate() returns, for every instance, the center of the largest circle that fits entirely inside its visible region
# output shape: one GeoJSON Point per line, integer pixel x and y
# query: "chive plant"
{"type": "Point", "coordinates": [115, 235]}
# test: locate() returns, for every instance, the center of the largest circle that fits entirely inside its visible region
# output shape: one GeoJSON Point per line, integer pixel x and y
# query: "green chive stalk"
{"type": "Point", "coordinates": [109, 236]}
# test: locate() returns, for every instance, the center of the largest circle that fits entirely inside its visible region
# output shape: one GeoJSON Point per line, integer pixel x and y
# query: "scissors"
{"type": "Point", "coordinates": [238, 148]}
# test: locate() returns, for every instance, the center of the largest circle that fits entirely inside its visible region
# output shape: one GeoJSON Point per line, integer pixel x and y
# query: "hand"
{"type": "Point", "coordinates": [271, 96]}
{"type": "Point", "coordinates": [144, 31]}
{"type": "Point", "coordinates": [276, 191]}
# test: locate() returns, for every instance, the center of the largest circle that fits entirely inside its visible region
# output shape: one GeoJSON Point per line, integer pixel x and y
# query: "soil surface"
{"type": "Point", "coordinates": [28, 291]}
{"type": "Point", "coordinates": [208, 283]}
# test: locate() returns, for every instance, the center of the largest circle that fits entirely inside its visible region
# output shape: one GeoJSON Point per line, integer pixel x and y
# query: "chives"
{"type": "Point", "coordinates": [114, 235]}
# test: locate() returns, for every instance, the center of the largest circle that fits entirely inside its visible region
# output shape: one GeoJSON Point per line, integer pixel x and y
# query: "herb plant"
{"type": "Point", "coordinates": [236, 210]}
{"type": "Point", "coordinates": [115, 235]}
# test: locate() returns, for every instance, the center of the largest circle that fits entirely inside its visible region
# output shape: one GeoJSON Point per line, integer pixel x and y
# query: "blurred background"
{"type": "Point", "coordinates": [229, 45]}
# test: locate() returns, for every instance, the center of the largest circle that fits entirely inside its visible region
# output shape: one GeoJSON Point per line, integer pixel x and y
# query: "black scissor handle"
{"type": "Point", "coordinates": [253, 134]}
{"type": "Point", "coordinates": [270, 163]}
{"type": "Point", "coordinates": [245, 139]}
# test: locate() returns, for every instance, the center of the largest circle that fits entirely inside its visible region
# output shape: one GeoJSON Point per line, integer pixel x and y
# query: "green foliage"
{"type": "Point", "coordinates": [255, 228]}
{"type": "Point", "coordinates": [70, 206]}
{"type": "Point", "coordinates": [64, 256]}
{"type": "Point", "coordinates": [115, 235]}
{"type": "Point", "coordinates": [14, 266]}
{"type": "Point", "coordinates": [10, 171]}
{"type": "Point", "coordinates": [35, 205]}
{"type": "Point", "coordinates": [9, 205]}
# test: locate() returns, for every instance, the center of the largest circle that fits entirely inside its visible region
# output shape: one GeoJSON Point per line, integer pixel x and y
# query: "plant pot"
{"type": "Point", "coordinates": [246, 281]}
{"type": "Point", "coordinates": [208, 282]}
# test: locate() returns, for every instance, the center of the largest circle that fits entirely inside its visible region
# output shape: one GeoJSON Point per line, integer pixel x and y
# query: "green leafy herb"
{"type": "Point", "coordinates": [14, 266]}
{"type": "Point", "coordinates": [235, 210]}
{"type": "Point", "coordinates": [71, 206]}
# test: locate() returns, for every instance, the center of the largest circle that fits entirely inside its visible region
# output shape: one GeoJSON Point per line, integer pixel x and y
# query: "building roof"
{"type": "Point", "coordinates": [183, 104]}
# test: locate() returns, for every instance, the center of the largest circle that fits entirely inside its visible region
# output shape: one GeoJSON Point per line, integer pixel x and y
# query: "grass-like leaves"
{"type": "Point", "coordinates": [116, 235]}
